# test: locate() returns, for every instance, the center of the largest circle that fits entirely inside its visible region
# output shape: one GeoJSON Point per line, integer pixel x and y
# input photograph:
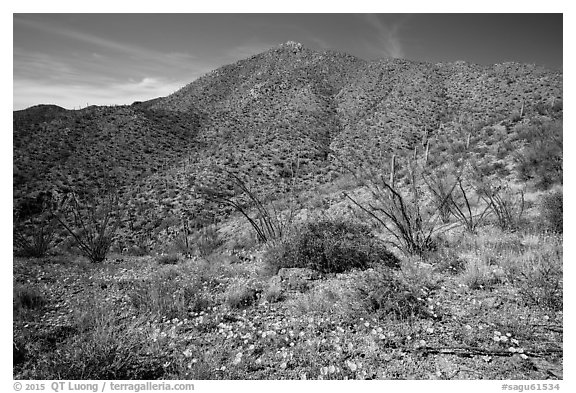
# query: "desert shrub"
{"type": "Point", "coordinates": [542, 157]}
{"type": "Point", "coordinates": [92, 220]}
{"type": "Point", "coordinates": [385, 294]}
{"type": "Point", "coordinates": [34, 239]}
{"type": "Point", "coordinates": [506, 205]}
{"type": "Point", "coordinates": [330, 246]}
{"type": "Point", "coordinates": [266, 219]}
{"type": "Point", "coordinates": [169, 259]}
{"type": "Point", "coordinates": [551, 211]}
{"type": "Point", "coordinates": [405, 213]}
{"type": "Point", "coordinates": [34, 226]}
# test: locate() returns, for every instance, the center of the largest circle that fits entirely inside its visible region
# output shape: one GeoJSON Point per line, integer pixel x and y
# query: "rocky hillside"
{"type": "Point", "coordinates": [289, 110]}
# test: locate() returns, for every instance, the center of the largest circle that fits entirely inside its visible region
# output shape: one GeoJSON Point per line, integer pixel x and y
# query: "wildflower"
{"type": "Point", "coordinates": [283, 365]}
{"type": "Point", "coordinates": [331, 369]}
{"type": "Point", "coordinates": [351, 365]}
{"type": "Point", "coordinates": [514, 341]}
{"type": "Point", "coordinates": [324, 370]}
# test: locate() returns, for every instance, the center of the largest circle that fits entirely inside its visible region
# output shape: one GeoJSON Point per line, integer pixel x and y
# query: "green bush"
{"type": "Point", "coordinates": [330, 246]}
{"type": "Point", "coordinates": [551, 211]}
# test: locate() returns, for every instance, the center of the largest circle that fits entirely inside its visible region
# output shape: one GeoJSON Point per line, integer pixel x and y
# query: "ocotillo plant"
{"type": "Point", "coordinates": [402, 213]}
{"type": "Point", "coordinates": [92, 221]}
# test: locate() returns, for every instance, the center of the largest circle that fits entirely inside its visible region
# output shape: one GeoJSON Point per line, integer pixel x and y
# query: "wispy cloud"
{"type": "Point", "coordinates": [126, 49]}
{"type": "Point", "coordinates": [388, 41]}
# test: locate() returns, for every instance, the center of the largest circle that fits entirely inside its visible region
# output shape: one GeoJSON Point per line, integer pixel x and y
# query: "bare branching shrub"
{"type": "Point", "coordinates": [506, 204]}
{"type": "Point", "coordinates": [34, 238]}
{"type": "Point", "coordinates": [265, 218]}
{"type": "Point", "coordinates": [92, 221]}
{"type": "Point", "coordinates": [34, 227]}
{"type": "Point", "coordinates": [404, 213]}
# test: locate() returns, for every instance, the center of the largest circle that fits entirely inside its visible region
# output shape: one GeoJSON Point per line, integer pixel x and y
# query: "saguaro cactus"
{"type": "Point", "coordinates": [392, 169]}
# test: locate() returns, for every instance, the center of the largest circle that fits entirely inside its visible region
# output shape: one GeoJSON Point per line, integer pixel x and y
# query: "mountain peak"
{"type": "Point", "coordinates": [292, 45]}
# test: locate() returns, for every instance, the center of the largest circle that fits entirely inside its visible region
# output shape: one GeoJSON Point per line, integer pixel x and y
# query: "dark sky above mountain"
{"type": "Point", "coordinates": [75, 60]}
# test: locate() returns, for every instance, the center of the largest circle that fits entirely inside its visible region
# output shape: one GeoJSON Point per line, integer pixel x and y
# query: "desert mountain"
{"type": "Point", "coordinates": [287, 110]}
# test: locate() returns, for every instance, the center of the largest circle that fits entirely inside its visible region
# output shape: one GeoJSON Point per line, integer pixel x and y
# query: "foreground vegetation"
{"type": "Point", "coordinates": [485, 305]}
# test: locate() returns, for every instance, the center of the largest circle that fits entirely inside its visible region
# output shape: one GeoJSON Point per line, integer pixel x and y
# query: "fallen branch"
{"type": "Point", "coordinates": [473, 351]}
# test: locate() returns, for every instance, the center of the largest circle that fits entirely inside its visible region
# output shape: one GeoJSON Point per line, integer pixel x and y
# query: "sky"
{"type": "Point", "coordinates": [75, 60]}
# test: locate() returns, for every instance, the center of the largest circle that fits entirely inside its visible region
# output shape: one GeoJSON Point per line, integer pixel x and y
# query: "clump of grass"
{"type": "Point", "coordinates": [170, 295]}
{"type": "Point", "coordinates": [27, 298]}
{"type": "Point", "coordinates": [478, 273]}
{"type": "Point", "coordinates": [419, 275]}
{"type": "Point", "coordinates": [362, 294]}
{"type": "Point", "coordinates": [108, 347]}
{"type": "Point", "coordinates": [336, 296]}
{"type": "Point", "coordinates": [206, 240]}
{"type": "Point", "coordinates": [242, 293]}
{"type": "Point", "coordinates": [273, 292]}
{"type": "Point", "coordinates": [447, 260]}
{"type": "Point", "coordinates": [330, 246]}
{"type": "Point", "coordinates": [537, 274]}
{"type": "Point", "coordinates": [386, 294]}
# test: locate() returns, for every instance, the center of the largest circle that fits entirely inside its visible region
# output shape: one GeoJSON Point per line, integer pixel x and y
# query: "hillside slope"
{"type": "Point", "coordinates": [289, 110]}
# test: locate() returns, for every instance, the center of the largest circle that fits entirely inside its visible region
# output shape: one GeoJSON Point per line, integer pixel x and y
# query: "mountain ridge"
{"type": "Point", "coordinates": [264, 116]}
